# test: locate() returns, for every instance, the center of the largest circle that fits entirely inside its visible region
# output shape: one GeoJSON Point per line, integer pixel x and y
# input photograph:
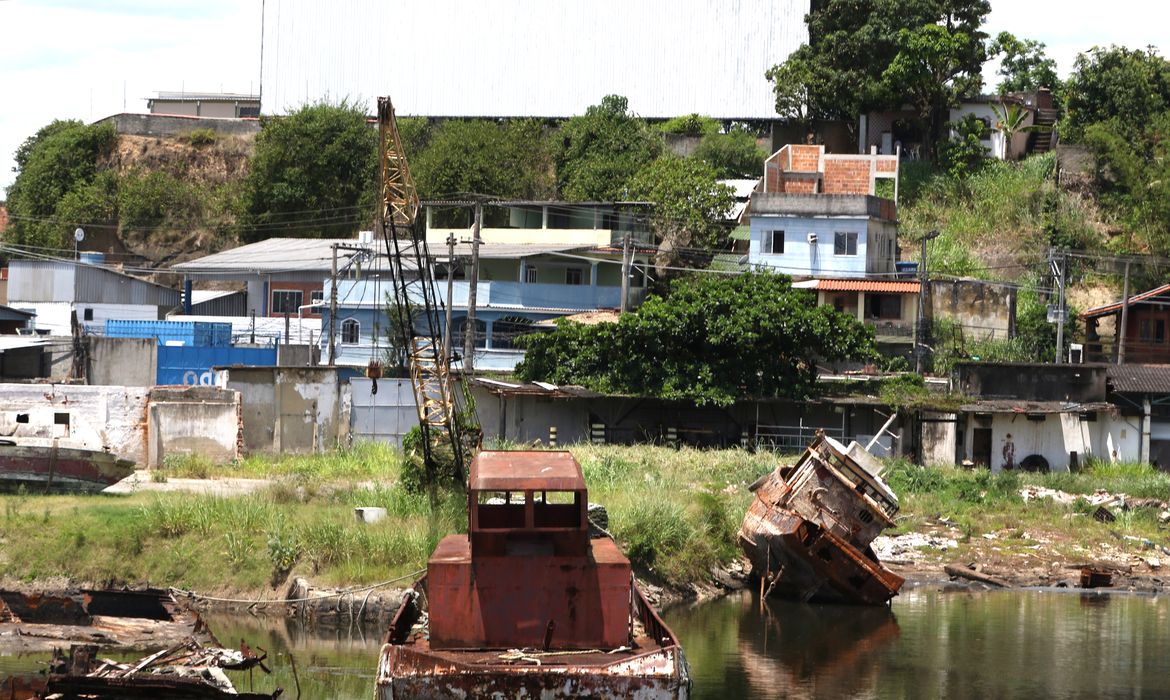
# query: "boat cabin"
{"type": "Point", "coordinates": [528, 574]}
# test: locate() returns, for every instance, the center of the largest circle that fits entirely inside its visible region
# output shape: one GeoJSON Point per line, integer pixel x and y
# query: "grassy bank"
{"type": "Point", "coordinates": [674, 511]}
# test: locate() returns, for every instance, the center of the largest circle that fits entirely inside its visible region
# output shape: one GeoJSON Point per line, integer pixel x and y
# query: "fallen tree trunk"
{"type": "Point", "coordinates": [963, 572]}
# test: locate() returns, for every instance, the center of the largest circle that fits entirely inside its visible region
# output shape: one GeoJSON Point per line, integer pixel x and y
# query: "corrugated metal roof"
{"type": "Point", "coordinates": [32, 281]}
{"type": "Point", "coordinates": [532, 58]}
{"type": "Point", "coordinates": [7, 313]}
{"type": "Point", "coordinates": [879, 286]}
{"type": "Point", "coordinates": [204, 97]}
{"type": "Point", "coordinates": [1139, 379]}
{"type": "Point", "coordinates": [1113, 308]}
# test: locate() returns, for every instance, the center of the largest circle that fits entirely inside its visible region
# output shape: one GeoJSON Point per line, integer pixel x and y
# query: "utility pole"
{"type": "Point", "coordinates": [450, 291]}
{"type": "Point", "coordinates": [1059, 266]}
{"type": "Point", "coordinates": [469, 332]}
{"type": "Point", "coordinates": [626, 259]}
{"type": "Point", "coordinates": [923, 282]}
{"type": "Point", "coordinates": [1120, 332]}
{"type": "Point", "coordinates": [333, 308]}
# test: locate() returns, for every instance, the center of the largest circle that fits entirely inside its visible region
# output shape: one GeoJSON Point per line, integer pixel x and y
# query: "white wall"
{"type": "Point", "coordinates": [55, 316]}
{"type": "Point", "coordinates": [99, 417]}
{"type": "Point", "coordinates": [1110, 437]}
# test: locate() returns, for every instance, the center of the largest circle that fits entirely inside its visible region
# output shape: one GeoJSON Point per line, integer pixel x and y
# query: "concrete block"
{"type": "Point", "coordinates": [368, 514]}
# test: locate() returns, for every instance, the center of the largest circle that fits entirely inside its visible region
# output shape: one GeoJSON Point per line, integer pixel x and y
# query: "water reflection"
{"type": "Point", "coordinates": [931, 645]}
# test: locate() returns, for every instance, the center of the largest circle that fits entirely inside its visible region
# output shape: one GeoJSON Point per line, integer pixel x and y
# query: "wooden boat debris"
{"type": "Point", "coordinates": [527, 605]}
{"type": "Point", "coordinates": [56, 469]}
{"type": "Point", "coordinates": [135, 619]}
{"type": "Point", "coordinates": [808, 530]}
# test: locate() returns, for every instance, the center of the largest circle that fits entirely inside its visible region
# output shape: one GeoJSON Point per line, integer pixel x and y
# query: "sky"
{"type": "Point", "coordinates": [74, 59]}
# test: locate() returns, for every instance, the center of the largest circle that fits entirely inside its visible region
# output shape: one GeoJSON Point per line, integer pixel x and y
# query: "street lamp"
{"type": "Point", "coordinates": [78, 237]}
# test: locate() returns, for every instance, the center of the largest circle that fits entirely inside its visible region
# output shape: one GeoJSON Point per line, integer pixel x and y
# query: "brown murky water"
{"type": "Point", "coordinates": [929, 644]}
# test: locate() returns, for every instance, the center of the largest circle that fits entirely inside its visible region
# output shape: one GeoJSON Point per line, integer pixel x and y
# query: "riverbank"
{"type": "Point", "coordinates": [675, 513]}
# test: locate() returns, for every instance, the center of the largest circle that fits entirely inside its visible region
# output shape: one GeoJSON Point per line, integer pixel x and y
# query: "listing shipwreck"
{"type": "Point", "coordinates": [528, 605]}
{"type": "Point", "coordinates": [809, 528]}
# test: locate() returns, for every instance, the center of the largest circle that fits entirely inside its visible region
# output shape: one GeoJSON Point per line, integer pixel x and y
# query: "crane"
{"type": "Point", "coordinates": [416, 304]}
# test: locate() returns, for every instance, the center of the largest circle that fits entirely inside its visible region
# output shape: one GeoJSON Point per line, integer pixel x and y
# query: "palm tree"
{"type": "Point", "coordinates": [1010, 120]}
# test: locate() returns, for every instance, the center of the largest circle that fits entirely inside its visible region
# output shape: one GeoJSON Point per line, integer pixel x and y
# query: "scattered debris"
{"type": "Point", "coordinates": [1153, 563]}
{"type": "Point", "coordinates": [910, 546]}
{"type": "Point", "coordinates": [972, 575]}
{"type": "Point", "coordinates": [369, 514]}
{"type": "Point", "coordinates": [1104, 515]}
{"type": "Point", "coordinates": [1100, 498]}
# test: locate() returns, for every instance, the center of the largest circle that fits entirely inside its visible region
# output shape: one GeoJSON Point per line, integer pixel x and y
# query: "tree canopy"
{"type": "Point", "coordinates": [602, 149]}
{"type": "Point", "coordinates": [872, 54]}
{"type": "Point", "coordinates": [689, 205]}
{"type": "Point", "coordinates": [55, 189]}
{"type": "Point", "coordinates": [1024, 66]}
{"type": "Point", "coordinates": [511, 159]}
{"type": "Point", "coordinates": [713, 339]}
{"type": "Point", "coordinates": [734, 154]}
{"type": "Point", "coordinates": [1115, 82]}
{"type": "Point", "coordinates": [313, 173]}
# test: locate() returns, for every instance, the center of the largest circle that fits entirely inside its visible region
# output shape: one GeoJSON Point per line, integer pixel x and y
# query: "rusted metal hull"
{"type": "Point", "coordinates": [59, 469]}
{"type": "Point", "coordinates": [652, 668]}
{"type": "Point", "coordinates": [806, 562]}
{"type": "Point", "coordinates": [808, 530]}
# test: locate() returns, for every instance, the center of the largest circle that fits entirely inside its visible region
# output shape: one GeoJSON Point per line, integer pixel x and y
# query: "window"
{"type": "Point", "coordinates": [574, 275]}
{"type": "Point", "coordinates": [507, 329]}
{"type": "Point", "coordinates": [845, 243]}
{"type": "Point", "coordinates": [350, 330]}
{"type": "Point", "coordinates": [461, 330]}
{"type": "Point", "coordinates": [61, 419]}
{"type": "Point", "coordinates": [885, 306]}
{"type": "Point", "coordinates": [286, 301]}
{"type": "Point", "coordinates": [316, 296]}
{"type": "Point", "coordinates": [772, 243]}
{"type": "Point", "coordinates": [1152, 330]}
{"type": "Point", "coordinates": [530, 275]}
{"type": "Point", "coordinates": [87, 315]}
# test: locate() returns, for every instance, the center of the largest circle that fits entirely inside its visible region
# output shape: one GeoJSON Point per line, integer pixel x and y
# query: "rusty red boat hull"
{"type": "Point", "coordinates": [59, 469]}
{"type": "Point", "coordinates": [409, 669]}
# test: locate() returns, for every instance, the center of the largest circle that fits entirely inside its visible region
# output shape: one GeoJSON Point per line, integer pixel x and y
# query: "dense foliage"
{"type": "Point", "coordinates": [57, 187]}
{"type": "Point", "coordinates": [511, 159]}
{"type": "Point", "coordinates": [1023, 65]}
{"type": "Point", "coordinates": [601, 151]}
{"type": "Point", "coordinates": [1131, 86]}
{"type": "Point", "coordinates": [733, 154]}
{"type": "Point", "coordinates": [712, 339]}
{"type": "Point", "coordinates": [689, 205]}
{"type": "Point", "coordinates": [313, 173]}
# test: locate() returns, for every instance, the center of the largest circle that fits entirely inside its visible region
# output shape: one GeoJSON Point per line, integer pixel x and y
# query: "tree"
{"type": "Point", "coordinates": [313, 174]}
{"type": "Point", "coordinates": [689, 205]}
{"type": "Point", "coordinates": [1115, 82]}
{"type": "Point", "coordinates": [1010, 120]}
{"type": "Point", "coordinates": [55, 167]}
{"type": "Point", "coordinates": [734, 154]}
{"type": "Point", "coordinates": [934, 67]}
{"type": "Point", "coordinates": [512, 160]}
{"type": "Point", "coordinates": [964, 154]}
{"type": "Point", "coordinates": [843, 71]}
{"type": "Point", "coordinates": [1023, 65]}
{"type": "Point", "coordinates": [601, 150]}
{"type": "Point", "coordinates": [713, 339]}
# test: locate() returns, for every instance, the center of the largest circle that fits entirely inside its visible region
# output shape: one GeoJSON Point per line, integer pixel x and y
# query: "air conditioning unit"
{"type": "Point", "coordinates": [812, 237]}
{"type": "Point", "coordinates": [1076, 353]}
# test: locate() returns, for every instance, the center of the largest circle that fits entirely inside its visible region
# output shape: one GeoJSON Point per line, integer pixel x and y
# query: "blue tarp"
{"type": "Point", "coordinates": [192, 365]}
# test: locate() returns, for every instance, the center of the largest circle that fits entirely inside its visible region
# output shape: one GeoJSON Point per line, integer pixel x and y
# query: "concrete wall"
{"type": "Point", "coordinates": [122, 361]}
{"type": "Point", "coordinates": [109, 418]}
{"type": "Point", "coordinates": [1032, 382]}
{"type": "Point", "coordinates": [164, 125]}
{"type": "Point", "coordinates": [985, 311]}
{"type": "Point", "coordinates": [197, 420]}
{"type": "Point", "coordinates": [289, 409]}
{"type": "Point", "coordinates": [939, 438]}
{"type": "Point", "coordinates": [1106, 437]}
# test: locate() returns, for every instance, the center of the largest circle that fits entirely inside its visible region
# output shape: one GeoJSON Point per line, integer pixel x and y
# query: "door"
{"type": "Point", "coordinates": [981, 447]}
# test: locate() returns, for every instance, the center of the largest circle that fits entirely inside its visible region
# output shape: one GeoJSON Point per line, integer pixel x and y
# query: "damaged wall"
{"type": "Point", "coordinates": [289, 409]}
{"type": "Point", "coordinates": [109, 418]}
{"type": "Point", "coordinates": [121, 361]}
{"type": "Point", "coordinates": [193, 420]}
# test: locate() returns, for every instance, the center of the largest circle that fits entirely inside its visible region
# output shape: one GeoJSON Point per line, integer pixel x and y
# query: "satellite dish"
{"type": "Point", "coordinates": [79, 235]}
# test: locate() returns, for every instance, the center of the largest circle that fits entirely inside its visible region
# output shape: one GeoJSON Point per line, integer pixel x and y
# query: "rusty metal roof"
{"type": "Point", "coordinates": [1140, 379]}
{"type": "Point", "coordinates": [880, 286]}
{"type": "Point", "coordinates": [1108, 309]}
{"type": "Point", "coordinates": [531, 470]}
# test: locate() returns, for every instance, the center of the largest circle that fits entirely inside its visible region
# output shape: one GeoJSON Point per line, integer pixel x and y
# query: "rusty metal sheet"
{"type": "Point", "coordinates": [525, 471]}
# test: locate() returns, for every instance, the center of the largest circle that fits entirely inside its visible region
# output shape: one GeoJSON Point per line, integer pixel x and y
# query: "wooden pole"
{"type": "Point", "coordinates": [1124, 318]}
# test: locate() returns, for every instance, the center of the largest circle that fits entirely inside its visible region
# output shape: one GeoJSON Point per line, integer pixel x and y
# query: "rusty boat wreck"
{"type": "Point", "coordinates": [528, 604]}
{"type": "Point", "coordinates": [809, 528]}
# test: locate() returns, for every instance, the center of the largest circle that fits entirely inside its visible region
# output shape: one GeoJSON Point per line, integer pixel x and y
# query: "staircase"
{"type": "Point", "coordinates": [1042, 141]}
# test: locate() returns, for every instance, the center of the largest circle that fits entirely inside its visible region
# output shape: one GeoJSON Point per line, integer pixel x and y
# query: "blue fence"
{"type": "Point", "coordinates": [190, 333]}
{"type": "Point", "coordinates": [192, 365]}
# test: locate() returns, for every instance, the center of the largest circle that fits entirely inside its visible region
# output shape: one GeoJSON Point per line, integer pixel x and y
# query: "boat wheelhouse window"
{"type": "Point", "coordinates": [557, 509]}
{"type": "Point", "coordinates": [21, 417]}
{"type": "Point", "coordinates": [61, 419]}
{"type": "Point", "coordinates": [500, 509]}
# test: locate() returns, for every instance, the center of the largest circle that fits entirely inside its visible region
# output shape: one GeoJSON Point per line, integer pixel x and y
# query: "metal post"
{"type": "Point", "coordinates": [333, 309]}
{"type": "Point", "coordinates": [1124, 318]}
{"type": "Point", "coordinates": [1061, 266]}
{"type": "Point", "coordinates": [450, 292]}
{"type": "Point", "coordinates": [626, 273]}
{"type": "Point", "coordinates": [920, 322]}
{"type": "Point", "coordinates": [469, 331]}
